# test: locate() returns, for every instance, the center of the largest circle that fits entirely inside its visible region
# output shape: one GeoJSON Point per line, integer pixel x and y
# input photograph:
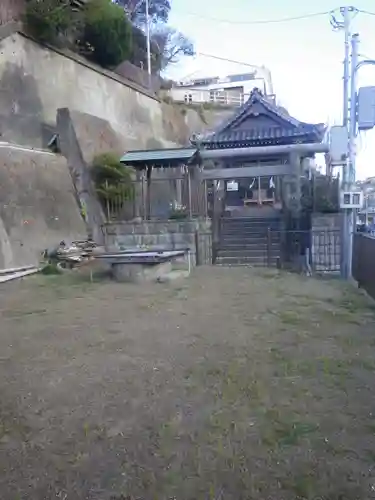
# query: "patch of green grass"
{"type": "Point", "coordinates": [354, 301]}
{"type": "Point", "coordinates": [291, 318]}
{"type": "Point", "coordinates": [332, 367]}
{"type": "Point", "coordinates": [369, 455]}
{"type": "Point", "coordinates": [228, 382]}
{"type": "Point", "coordinates": [66, 281]}
{"type": "Point", "coordinates": [302, 485]}
{"type": "Point", "coordinates": [269, 275]}
{"type": "Point", "coordinates": [341, 316]}
{"type": "Point", "coordinates": [50, 270]}
{"type": "Point", "coordinates": [20, 313]}
{"type": "Point", "coordinates": [365, 364]}
{"type": "Point", "coordinates": [286, 366]}
{"type": "Point", "coordinates": [349, 342]}
{"type": "Point", "coordinates": [11, 425]}
{"type": "Point", "coordinates": [278, 431]}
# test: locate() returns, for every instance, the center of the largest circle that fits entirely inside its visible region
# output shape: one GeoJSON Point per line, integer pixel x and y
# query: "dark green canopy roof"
{"type": "Point", "coordinates": [160, 157]}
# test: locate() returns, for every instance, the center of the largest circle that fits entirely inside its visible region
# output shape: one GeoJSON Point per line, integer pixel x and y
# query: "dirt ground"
{"type": "Point", "coordinates": [235, 384]}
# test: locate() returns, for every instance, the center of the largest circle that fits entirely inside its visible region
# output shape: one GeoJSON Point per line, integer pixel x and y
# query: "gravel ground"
{"type": "Point", "coordinates": [234, 384]}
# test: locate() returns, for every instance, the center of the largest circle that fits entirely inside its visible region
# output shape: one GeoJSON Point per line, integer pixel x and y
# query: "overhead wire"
{"type": "Point", "coordinates": [260, 21]}
{"type": "Point", "coordinates": [263, 22]}
{"type": "Point", "coordinates": [367, 12]}
{"type": "Point", "coordinates": [234, 61]}
{"type": "Point", "coordinates": [273, 21]}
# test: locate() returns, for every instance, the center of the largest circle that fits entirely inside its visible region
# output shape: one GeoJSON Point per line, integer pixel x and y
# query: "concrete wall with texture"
{"type": "Point", "coordinates": [168, 235]}
{"type": "Point", "coordinates": [36, 81]}
{"type": "Point", "coordinates": [38, 206]}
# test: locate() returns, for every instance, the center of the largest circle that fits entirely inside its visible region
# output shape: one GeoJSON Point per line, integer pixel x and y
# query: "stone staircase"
{"type": "Point", "coordinates": [246, 241]}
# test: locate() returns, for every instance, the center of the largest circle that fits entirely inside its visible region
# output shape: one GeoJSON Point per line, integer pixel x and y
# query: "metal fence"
{"type": "Point", "coordinates": [364, 262]}
{"type": "Point", "coordinates": [176, 198]}
{"type": "Point", "coordinates": [322, 246]}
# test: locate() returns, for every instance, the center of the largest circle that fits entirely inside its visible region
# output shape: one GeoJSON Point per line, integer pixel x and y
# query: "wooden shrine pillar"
{"type": "Point", "coordinates": [180, 171]}
{"type": "Point", "coordinates": [148, 192]}
{"type": "Point", "coordinates": [190, 208]}
{"type": "Point", "coordinates": [138, 195]}
{"type": "Point", "coordinates": [295, 184]}
{"type": "Point", "coordinates": [217, 213]}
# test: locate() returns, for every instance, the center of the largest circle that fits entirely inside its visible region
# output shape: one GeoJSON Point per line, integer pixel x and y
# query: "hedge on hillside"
{"type": "Point", "coordinates": [100, 31]}
{"type": "Point", "coordinates": [50, 21]}
{"type": "Point", "coordinates": [107, 33]}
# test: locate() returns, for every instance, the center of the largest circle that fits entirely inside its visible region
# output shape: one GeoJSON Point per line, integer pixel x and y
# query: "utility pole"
{"type": "Point", "coordinates": [347, 226]}
{"type": "Point", "coordinates": [347, 216]}
{"type": "Point", "coordinates": [353, 108]}
{"type": "Point", "coordinates": [148, 43]}
{"type": "Point", "coordinates": [352, 153]}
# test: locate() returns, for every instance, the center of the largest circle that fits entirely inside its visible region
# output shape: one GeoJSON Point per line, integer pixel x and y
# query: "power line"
{"type": "Point", "coordinates": [261, 21]}
{"type": "Point", "coordinates": [211, 56]}
{"type": "Point", "coordinates": [366, 12]}
{"type": "Point", "coordinates": [272, 21]}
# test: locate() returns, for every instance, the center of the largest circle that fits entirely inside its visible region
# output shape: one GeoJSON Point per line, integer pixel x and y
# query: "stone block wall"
{"type": "Point", "coordinates": [192, 234]}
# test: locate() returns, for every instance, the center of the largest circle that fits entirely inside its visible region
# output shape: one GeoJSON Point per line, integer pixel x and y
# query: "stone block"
{"type": "Point", "coordinates": [140, 273]}
{"type": "Point", "coordinates": [173, 276]}
{"type": "Point", "coordinates": [163, 240]}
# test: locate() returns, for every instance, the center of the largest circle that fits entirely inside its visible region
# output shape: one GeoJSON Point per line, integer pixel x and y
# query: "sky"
{"type": "Point", "coordinates": [305, 56]}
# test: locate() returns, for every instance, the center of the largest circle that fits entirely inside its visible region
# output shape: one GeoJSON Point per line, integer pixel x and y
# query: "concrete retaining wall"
{"type": "Point", "coordinates": [38, 205]}
{"type": "Point", "coordinates": [36, 81]}
{"type": "Point", "coordinates": [195, 235]}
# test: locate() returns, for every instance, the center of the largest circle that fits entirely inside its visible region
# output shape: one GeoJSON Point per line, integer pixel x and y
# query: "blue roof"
{"type": "Point", "coordinates": [160, 157]}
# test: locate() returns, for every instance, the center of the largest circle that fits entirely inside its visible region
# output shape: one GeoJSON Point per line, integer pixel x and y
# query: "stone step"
{"type": "Point", "coordinates": [249, 226]}
{"type": "Point", "coordinates": [247, 239]}
{"type": "Point", "coordinates": [250, 219]}
{"type": "Point", "coordinates": [256, 252]}
{"type": "Point", "coordinates": [256, 227]}
{"type": "Point", "coordinates": [262, 222]}
{"type": "Point", "coordinates": [247, 219]}
{"type": "Point", "coordinates": [237, 225]}
{"type": "Point", "coordinates": [246, 227]}
{"type": "Point", "coordinates": [229, 244]}
{"type": "Point", "coordinates": [249, 234]}
{"type": "Point", "coordinates": [251, 223]}
{"type": "Point", "coordinates": [246, 261]}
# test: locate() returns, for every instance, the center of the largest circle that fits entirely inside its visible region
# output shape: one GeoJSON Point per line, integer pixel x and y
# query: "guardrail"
{"type": "Point", "coordinates": [192, 96]}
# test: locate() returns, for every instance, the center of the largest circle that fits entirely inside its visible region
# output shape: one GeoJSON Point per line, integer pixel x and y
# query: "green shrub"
{"type": "Point", "coordinates": [113, 181]}
{"type": "Point", "coordinates": [50, 21]}
{"type": "Point", "coordinates": [107, 33]}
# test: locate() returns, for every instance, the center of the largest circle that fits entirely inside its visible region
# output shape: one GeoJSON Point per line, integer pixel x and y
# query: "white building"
{"type": "Point", "coordinates": [229, 90]}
